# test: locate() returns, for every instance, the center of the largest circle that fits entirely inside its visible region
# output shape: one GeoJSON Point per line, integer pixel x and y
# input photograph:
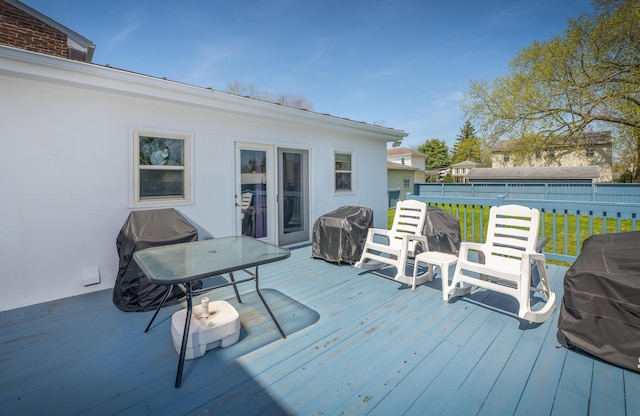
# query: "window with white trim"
{"type": "Point", "coordinates": [162, 168]}
{"type": "Point", "coordinates": [343, 168]}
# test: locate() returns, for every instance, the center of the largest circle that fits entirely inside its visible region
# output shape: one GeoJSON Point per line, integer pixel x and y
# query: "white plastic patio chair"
{"type": "Point", "coordinates": [504, 261]}
{"type": "Point", "coordinates": [245, 202]}
{"type": "Point", "coordinates": [397, 246]}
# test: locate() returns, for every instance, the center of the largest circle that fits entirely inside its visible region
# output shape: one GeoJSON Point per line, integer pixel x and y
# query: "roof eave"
{"type": "Point", "coordinates": [86, 75]}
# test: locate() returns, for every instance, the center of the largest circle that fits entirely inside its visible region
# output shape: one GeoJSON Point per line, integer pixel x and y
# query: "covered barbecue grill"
{"type": "Point", "coordinates": [600, 310]}
{"type": "Point", "coordinates": [339, 235]}
{"type": "Point", "coordinates": [143, 229]}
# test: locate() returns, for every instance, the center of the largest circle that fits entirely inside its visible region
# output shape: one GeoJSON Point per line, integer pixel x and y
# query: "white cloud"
{"type": "Point", "coordinates": [122, 35]}
{"type": "Point", "coordinates": [206, 63]}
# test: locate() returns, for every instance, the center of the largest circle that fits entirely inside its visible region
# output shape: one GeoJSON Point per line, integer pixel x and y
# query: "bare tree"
{"type": "Point", "coordinates": [295, 101]}
{"type": "Point", "coordinates": [253, 91]}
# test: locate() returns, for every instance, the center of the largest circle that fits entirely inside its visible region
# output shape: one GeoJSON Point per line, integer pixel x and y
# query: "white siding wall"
{"type": "Point", "coordinates": [66, 165]}
{"type": "Point", "coordinates": [396, 180]}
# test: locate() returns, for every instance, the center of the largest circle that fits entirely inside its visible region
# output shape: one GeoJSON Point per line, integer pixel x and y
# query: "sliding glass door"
{"type": "Point", "coordinates": [254, 191]}
{"type": "Point", "coordinates": [272, 193]}
{"type": "Point", "coordinates": [293, 196]}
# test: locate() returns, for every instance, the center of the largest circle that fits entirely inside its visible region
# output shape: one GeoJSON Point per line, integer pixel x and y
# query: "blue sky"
{"type": "Point", "coordinates": [405, 63]}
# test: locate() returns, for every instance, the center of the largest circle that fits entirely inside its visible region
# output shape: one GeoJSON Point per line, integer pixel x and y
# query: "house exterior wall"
{"type": "Point", "coordinates": [396, 180]}
{"type": "Point", "coordinates": [20, 30]}
{"type": "Point", "coordinates": [409, 160]}
{"type": "Point", "coordinates": [459, 175]}
{"type": "Point", "coordinates": [601, 156]}
{"type": "Point", "coordinates": [67, 126]}
{"type": "Point", "coordinates": [459, 171]}
{"type": "Point", "coordinates": [420, 176]}
{"type": "Point", "coordinates": [413, 160]}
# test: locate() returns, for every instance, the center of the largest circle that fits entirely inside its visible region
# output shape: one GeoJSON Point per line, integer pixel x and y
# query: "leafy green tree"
{"type": "Point", "coordinates": [468, 145]}
{"type": "Point", "coordinates": [437, 154]}
{"type": "Point", "coordinates": [586, 78]}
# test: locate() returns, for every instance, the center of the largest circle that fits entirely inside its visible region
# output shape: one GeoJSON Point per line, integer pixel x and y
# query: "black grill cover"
{"type": "Point", "coordinates": [442, 230]}
{"type": "Point", "coordinates": [339, 235]}
{"type": "Point", "coordinates": [143, 229]}
{"type": "Point", "coordinates": [600, 310]}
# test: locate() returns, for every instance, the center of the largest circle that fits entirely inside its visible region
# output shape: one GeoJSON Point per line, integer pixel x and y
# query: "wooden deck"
{"type": "Point", "coordinates": [357, 343]}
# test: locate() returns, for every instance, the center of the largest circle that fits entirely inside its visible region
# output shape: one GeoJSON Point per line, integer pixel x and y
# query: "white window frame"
{"type": "Point", "coordinates": [135, 200]}
{"type": "Point", "coordinates": [349, 171]}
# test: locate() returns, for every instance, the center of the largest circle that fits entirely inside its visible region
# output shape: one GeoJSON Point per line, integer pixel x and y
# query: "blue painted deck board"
{"type": "Point", "coordinates": [357, 343]}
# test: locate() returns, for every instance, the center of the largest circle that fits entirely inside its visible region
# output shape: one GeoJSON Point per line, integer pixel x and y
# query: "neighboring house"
{"type": "Point", "coordinates": [554, 174]}
{"type": "Point", "coordinates": [409, 157]}
{"type": "Point", "coordinates": [459, 171]}
{"type": "Point", "coordinates": [86, 144]}
{"type": "Point", "coordinates": [435, 175]}
{"type": "Point", "coordinates": [400, 177]}
{"type": "Point", "coordinates": [24, 28]}
{"type": "Point", "coordinates": [590, 149]}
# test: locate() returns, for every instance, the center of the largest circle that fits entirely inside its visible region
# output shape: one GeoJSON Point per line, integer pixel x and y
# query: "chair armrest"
{"type": "Point", "coordinates": [416, 237]}
{"type": "Point", "coordinates": [469, 245]}
{"type": "Point", "coordinates": [372, 232]}
{"type": "Point", "coordinates": [380, 231]}
{"type": "Point", "coordinates": [537, 257]}
{"type": "Point", "coordinates": [407, 238]}
{"type": "Point", "coordinates": [465, 246]}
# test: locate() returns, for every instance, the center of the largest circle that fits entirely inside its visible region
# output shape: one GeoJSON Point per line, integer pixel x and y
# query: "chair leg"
{"type": "Point", "coordinates": [545, 312]}
{"type": "Point", "coordinates": [444, 276]}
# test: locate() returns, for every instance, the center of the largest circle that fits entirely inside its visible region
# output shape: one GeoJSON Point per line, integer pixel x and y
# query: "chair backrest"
{"type": "Point", "coordinates": [246, 200]}
{"type": "Point", "coordinates": [409, 219]}
{"type": "Point", "coordinates": [512, 230]}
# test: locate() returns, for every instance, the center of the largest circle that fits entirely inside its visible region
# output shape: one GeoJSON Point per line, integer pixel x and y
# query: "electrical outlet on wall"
{"type": "Point", "coordinates": [90, 276]}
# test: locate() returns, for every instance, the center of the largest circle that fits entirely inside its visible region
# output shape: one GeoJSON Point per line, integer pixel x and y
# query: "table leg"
{"type": "Point", "coordinates": [185, 336]}
{"type": "Point", "coordinates": [267, 306]}
{"type": "Point", "coordinates": [164, 299]}
{"type": "Point", "coordinates": [235, 287]}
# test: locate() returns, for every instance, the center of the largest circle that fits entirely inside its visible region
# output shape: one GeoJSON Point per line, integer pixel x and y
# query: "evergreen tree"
{"type": "Point", "coordinates": [468, 146]}
{"type": "Point", "coordinates": [437, 154]}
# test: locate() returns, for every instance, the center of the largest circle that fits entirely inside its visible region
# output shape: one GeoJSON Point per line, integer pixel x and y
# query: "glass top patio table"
{"type": "Point", "coordinates": [185, 262]}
